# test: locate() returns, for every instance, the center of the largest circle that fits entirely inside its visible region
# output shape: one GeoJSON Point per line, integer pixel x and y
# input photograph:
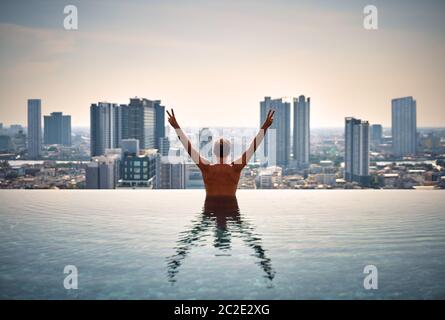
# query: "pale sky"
{"type": "Point", "coordinates": [213, 61]}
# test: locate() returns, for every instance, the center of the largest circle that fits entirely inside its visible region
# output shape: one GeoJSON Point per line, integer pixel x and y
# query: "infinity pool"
{"type": "Point", "coordinates": [281, 245]}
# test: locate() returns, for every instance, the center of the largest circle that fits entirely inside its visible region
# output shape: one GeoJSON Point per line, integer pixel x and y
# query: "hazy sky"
{"type": "Point", "coordinates": [215, 60]}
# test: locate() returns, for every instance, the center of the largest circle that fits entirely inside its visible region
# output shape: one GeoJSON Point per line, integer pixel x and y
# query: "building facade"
{"type": "Point", "coordinates": [376, 134]}
{"type": "Point", "coordinates": [404, 126]}
{"type": "Point", "coordinates": [101, 173]}
{"type": "Point", "coordinates": [34, 128]}
{"type": "Point", "coordinates": [159, 123]}
{"type": "Point", "coordinates": [357, 151]}
{"type": "Point", "coordinates": [102, 127]}
{"type": "Point", "coordinates": [170, 175]}
{"type": "Point", "coordinates": [141, 119]}
{"type": "Point", "coordinates": [138, 170]}
{"type": "Point", "coordinates": [277, 140]}
{"type": "Point", "coordinates": [130, 146]}
{"type": "Point", "coordinates": [164, 146]}
{"type": "Point", "coordinates": [142, 122]}
{"type": "Point", "coordinates": [301, 131]}
{"type": "Point", "coordinates": [57, 129]}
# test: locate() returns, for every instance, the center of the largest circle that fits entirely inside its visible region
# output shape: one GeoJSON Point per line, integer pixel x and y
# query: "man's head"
{"type": "Point", "coordinates": [221, 148]}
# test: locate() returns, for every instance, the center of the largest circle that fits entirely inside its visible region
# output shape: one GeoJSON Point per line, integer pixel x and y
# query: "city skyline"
{"type": "Point", "coordinates": [288, 99]}
{"type": "Point", "coordinates": [340, 66]}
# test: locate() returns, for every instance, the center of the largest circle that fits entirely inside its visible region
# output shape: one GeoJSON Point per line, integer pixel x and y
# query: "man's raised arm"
{"type": "Point", "coordinates": [244, 159]}
{"type": "Point", "coordinates": [194, 154]}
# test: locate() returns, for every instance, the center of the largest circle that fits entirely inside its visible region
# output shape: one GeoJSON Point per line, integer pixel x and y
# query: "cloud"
{"type": "Point", "coordinates": [38, 49]}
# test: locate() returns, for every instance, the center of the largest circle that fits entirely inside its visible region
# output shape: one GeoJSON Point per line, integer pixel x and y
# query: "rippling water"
{"type": "Point", "coordinates": [280, 245]}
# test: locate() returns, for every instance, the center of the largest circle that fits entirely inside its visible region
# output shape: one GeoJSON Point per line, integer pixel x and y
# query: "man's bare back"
{"type": "Point", "coordinates": [221, 179]}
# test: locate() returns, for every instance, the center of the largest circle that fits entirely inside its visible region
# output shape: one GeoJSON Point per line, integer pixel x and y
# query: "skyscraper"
{"type": "Point", "coordinates": [301, 131]}
{"type": "Point", "coordinates": [357, 151]}
{"type": "Point", "coordinates": [66, 132]}
{"type": "Point", "coordinates": [277, 138]}
{"type": "Point", "coordinates": [404, 126]}
{"type": "Point", "coordinates": [102, 128]}
{"type": "Point", "coordinates": [57, 129]}
{"type": "Point", "coordinates": [170, 175]}
{"type": "Point", "coordinates": [130, 146]}
{"type": "Point", "coordinates": [142, 122]}
{"type": "Point", "coordinates": [142, 119]}
{"type": "Point", "coordinates": [164, 146]}
{"type": "Point", "coordinates": [101, 173]}
{"type": "Point", "coordinates": [376, 134]}
{"type": "Point", "coordinates": [124, 110]}
{"type": "Point", "coordinates": [139, 170]}
{"type": "Point", "coordinates": [159, 123]}
{"type": "Point", "coordinates": [34, 128]}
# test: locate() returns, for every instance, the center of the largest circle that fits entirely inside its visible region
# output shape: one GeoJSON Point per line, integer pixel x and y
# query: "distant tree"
{"type": "Point", "coordinates": [4, 166]}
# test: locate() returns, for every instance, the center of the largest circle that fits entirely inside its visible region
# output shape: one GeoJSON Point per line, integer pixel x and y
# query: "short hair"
{"type": "Point", "coordinates": [221, 148]}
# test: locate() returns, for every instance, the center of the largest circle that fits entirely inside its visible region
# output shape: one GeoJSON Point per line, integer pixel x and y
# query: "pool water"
{"type": "Point", "coordinates": [158, 244]}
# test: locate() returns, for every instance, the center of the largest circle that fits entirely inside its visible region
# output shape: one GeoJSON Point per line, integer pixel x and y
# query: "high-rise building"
{"type": "Point", "coordinates": [404, 126]}
{"type": "Point", "coordinates": [34, 128]}
{"type": "Point", "coordinates": [159, 123]}
{"type": "Point", "coordinates": [101, 173]}
{"type": "Point", "coordinates": [164, 146]}
{"type": "Point", "coordinates": [5, 143]}
{"type": "Point", "coordinates": [139, 170]}
{"type": "Point", "coordinates": [357, 151]}
{"type": "Point", "coordinates": [57, 129]}
{"type": "Point", "coordinates": [130, 146]}
{"type": "Point", "coordinates": [15, 128]}
{"type": "Point", "coordinates": [277, 139]}
{"type": "Point", "coordinates": [170, 175]}
{"type": "Point", "coordinates": [301, 131]}
{"type": "Point", "coordinates": [142, 119]}
{"type": "Point", "coordinates": [102, 127]}
{"type": "Point", "coordinates": [19, 141]}
{"type": "Point", "coordinates": [119, 113]}
{"type": "Point", "coordinates": [142, 122]}
{"type": "Point", "coordinates": [66, 132]}
{"type": "Point", "coordinates": [376, 134]}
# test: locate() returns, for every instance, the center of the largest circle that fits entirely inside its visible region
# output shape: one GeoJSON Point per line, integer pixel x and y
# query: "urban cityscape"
{"type": "Point", "coordinates": [130, 146]}
{"type": "Point", "coordinates": [214, 158]}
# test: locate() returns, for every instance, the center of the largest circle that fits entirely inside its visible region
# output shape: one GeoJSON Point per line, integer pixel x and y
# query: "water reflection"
{"type": "Point", "coordinates": [220, 217]}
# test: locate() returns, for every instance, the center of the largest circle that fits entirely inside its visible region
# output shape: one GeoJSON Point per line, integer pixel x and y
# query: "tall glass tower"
{"type": "Point", "coordinates": [301, 131]}
{"type": "Point", "coordinates": [278, 136]}
{"type": "Point", "coordinates": [404, 126]}
{"type": "Point", "coordinates": [57, 129]}
{"type": "Point", "coordinates": [34, 128]}
{"type": "Point", "coordinates": [357, 151]}
{"type": "Point", "coordinates": [102, 127]}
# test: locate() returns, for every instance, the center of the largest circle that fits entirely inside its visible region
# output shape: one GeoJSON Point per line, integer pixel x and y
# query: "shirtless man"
{"type": "Point", "coordinates": [221, 179]}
